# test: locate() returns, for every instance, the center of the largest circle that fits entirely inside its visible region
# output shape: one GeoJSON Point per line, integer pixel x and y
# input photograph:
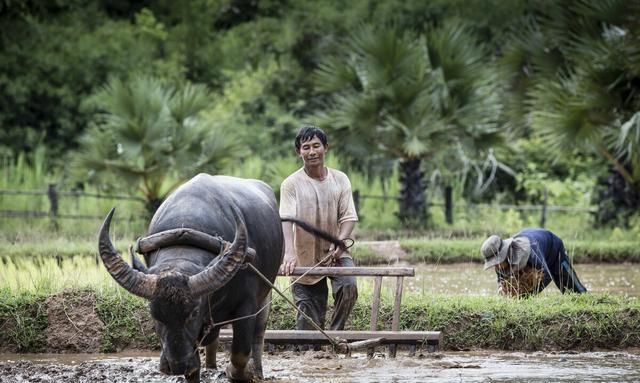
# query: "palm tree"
{"type": "Point", "coordinates": [574, 72]}
{"type": "Point", "coordinates": [394, 97]}
{"type": "Point", "coordinates": [151, 136]}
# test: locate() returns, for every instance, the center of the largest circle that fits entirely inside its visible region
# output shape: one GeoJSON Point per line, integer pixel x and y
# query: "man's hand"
{"type": "Point", "coordinates": [288, 263]}
{"type": "Point", "coordinates": [336, 253]}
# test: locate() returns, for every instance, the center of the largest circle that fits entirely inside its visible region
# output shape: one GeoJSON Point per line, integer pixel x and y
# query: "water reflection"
{"type": "Point", "coordinates": [324, 367]}
{"type": "Point", "coordinates": [486, 367]}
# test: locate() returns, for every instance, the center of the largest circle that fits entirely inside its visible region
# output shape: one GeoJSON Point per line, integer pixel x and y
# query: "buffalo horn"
{"type": "Point", "coordinates": [135, 282]}
{"type": "Point", "coordinates": [218, 274]}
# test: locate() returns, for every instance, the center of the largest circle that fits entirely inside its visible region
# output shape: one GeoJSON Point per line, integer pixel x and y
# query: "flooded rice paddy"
{"type": "Point", "coordinates": [471, 279]}
{"type": "Point", "coordinates": [325, 367]}
{"type": "Point", "coordinates": [449, 279]}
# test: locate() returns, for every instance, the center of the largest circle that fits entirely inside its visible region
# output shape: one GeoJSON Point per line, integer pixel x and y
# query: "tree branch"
{"type": "Point", "coordinates": [617, 165]}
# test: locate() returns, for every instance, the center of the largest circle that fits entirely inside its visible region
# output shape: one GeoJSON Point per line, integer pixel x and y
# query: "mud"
{"type": "Point", "coordinates": [325, 367]}
{"type": "Point", "coordinates": [74, 325]}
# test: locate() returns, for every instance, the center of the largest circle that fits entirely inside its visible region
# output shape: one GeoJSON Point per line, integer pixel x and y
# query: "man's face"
{"type": "Point", "coordinates": [312, 152]}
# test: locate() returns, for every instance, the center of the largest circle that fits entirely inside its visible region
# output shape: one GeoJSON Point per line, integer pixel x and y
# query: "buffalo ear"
{"type": "Point", "coordinates": [137, 263]}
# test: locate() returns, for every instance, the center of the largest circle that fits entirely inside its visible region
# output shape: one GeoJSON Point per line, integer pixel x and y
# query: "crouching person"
{"type": "Point", "coordinates": [527, 262]}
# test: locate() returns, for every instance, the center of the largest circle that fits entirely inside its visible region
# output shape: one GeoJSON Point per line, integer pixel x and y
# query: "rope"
{"type": "Point", "coordinates": [307, 317]}
{"type": "Point", "coordinates": [333, 342]}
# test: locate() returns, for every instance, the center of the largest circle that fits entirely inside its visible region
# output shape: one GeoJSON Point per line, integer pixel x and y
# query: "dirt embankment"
{"type": "Point", "coordinates": [83, 321]}
{"type": "Point", "coordinates": [74, 325]}
{"type": "Point", "coordinates": [71, 322]}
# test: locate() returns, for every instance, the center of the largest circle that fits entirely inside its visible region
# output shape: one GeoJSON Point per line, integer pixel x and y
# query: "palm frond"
{"type": "Point", "coordinates": [562, 116]}
{"type": "Point", "coordinates": [628, 143]}
{"type": "Point", "coordinates": [417, 94]}
{"type": "Point", "coordinates": [147, 131]}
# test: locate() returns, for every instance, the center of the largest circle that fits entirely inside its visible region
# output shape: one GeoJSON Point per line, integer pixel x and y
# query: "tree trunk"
{"type": "Point", "coordinates": [152, 205]}
{"type": "Point", "coordinates": [617, 200]}
{"type": "Point", "coordinates": [412, 194]}
{"type": "Point", "coordinates": [448, 204]}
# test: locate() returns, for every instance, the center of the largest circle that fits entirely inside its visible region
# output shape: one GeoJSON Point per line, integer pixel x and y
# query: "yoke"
{"type": "Point", "coordinates": [392, 338]}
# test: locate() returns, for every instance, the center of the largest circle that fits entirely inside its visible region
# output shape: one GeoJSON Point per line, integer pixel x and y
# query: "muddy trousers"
{"type": "Point", "coordinates": [312, 300]}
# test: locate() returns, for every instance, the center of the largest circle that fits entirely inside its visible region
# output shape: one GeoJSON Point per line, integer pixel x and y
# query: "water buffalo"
{"type": "Point", "coordinates": [196, 278]}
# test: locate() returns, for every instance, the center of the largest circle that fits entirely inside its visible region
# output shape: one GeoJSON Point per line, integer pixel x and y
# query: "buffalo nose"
{"type": "Point", "coordinates": [178, 367]}
{"type": "Point", "coordinates": [184, 366]}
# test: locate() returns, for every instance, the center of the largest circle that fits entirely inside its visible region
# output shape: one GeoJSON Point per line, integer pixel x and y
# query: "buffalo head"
{"type": "Point", "coordinates": [177, 299]}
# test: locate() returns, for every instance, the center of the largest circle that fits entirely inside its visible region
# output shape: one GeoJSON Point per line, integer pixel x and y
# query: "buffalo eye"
{"type": "Point", "coordinates": [194, 314]}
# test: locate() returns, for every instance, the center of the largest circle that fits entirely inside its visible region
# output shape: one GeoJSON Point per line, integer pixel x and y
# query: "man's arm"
{"type": "Point", "coordinates": [502, 284]}
{"type": "Point", "coordinates": [288, 209]}
{"type": "Point", "coordinates": [290, 260]}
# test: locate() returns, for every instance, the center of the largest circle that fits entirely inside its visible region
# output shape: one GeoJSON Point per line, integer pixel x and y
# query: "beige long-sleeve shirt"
{"type": "Point", "coordinates": [325, 204]}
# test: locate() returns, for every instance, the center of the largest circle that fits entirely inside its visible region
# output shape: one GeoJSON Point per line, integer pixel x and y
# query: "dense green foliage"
{"type": "Point", "coordinates": [488, 100]}
{"type": "Point", "coordinates": [573, 73]}
{"type": "Point", "coordinates": [149, 133]}
{"type": "Point", "coordinates": [414, 99]}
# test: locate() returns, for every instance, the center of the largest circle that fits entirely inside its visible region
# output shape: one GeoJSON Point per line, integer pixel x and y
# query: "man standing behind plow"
{"type": "Point", "coordinates": [321, 196]}
{"type": "Point", "coordinates": [527, 262]}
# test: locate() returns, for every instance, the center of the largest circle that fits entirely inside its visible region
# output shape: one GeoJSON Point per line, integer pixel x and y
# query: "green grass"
{"type": "Point", "coordinates": [551, 322]}
{"type": "Point", "coordinates": [49, 274]}
{"type": "Point", "coordinates": [546, 322]}
{"type": "Point", "coordinates": [54, 248]}
{"type": "Point", "coordinates": [425, 250]}
{"type": "Point", "coordinates": [126, 321]}
{"type": "Point", "coordinates": [29, 173]}
{"type": "Point", "coordinates": [23, 320]}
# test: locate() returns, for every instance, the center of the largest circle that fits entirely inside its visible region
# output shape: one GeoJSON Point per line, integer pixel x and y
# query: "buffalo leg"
{"type": "Point", "coordinates": [194, 377]}
{"type": "Point", "coordinates": [258, 338]}
{"type": "Point", "coordinates": [210, 355]}
{"type": "Point", "coordinates": [211, 350]}
{"type": "Point", "coordinates": [240, 350]}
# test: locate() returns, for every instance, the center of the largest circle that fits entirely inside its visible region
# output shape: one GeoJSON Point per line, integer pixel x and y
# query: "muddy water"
{"type": "Point", "coordinates": [325, 367]}
{"type": "Point", "coordinates": [470, 278]}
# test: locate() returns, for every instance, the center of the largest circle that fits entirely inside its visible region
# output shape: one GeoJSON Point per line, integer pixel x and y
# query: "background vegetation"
{"type": "Point", "coordinates": [441, 102]}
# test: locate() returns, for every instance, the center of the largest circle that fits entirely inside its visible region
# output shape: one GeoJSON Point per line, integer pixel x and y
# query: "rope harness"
{"type": "Point", "coordinates": [191, 237]}
{"type": "Point", "coordinates": [338, 345]}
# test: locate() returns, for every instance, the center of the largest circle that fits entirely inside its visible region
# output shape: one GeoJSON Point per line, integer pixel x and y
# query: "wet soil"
{"type": "Point", "coordinates": [324, 367]}
{"type": "Point", "coordinates": [74, 325]}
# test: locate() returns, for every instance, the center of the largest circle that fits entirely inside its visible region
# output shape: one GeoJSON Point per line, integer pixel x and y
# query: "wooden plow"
{"type": "Point", "coordinates": [358, 340]}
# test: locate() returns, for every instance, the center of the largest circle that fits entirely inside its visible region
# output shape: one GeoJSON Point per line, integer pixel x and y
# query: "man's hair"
{"type": "Point", "coordinates": [307, 132]}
